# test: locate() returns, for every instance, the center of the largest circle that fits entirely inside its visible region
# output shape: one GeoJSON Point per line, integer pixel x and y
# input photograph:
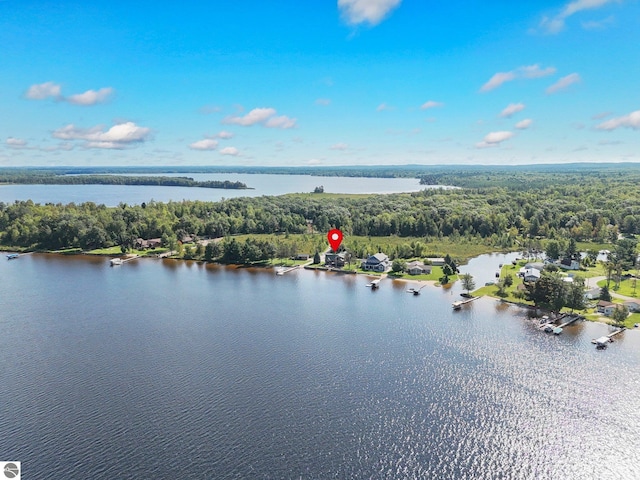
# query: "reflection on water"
{"type": "Point", "coordinates": [239, 373]}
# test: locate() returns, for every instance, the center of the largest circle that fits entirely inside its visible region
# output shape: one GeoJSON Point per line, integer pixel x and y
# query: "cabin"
{"type": "Point", "coordinates": [605, 307]}
{"type": "Point", "coordinates": [531, 275]}
{"type": "Point", "coordinates": [569, 264]}
{"type": "Point", "coordinates": [334, 260]}
{"type": "Point", "coordinates": [418, 268]}
{"type": "Point", "coordinates": [301, 256]}
{"type": "Point", "coordinates": [143, 244]}
{"type": "Point", "coordinates": [632, 305]}
{"type": "Point", "coordinates": [377, 263]}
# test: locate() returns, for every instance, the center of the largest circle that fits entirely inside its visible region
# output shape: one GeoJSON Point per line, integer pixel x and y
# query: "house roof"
{"type": "Point", "coordinates": [604, 303]}
{"type": "Point", "coordinates": [380, 257]}
{"type": "Point", "coordinates": [415, 263]}
{"type": "Point", "coordinates": [532, 272]}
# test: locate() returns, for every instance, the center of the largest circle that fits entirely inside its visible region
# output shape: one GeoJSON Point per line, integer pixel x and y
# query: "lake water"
{"type": "Point", "coordinates": [112, 195]}
{"type": "Point", "coordinates": [166, 369]}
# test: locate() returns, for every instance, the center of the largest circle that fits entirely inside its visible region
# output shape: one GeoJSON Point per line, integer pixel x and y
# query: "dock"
{"type": "Point", "coordinates": [457, 305]}
{"type": "Point", "coordinates": [549, 326]}
{"type": "Point", "coordinates": [602, 342]}
{"type": "Point", "coordinates": [374, 284]}
{"type": "Point", "coordinates": [120, 261]}
{"type": "Point", "coordinates": [282, 270]}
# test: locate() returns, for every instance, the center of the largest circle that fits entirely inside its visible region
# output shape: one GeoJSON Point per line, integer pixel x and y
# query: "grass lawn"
{"type": "Point", "coordinates": [435, 275]}
{"type": "Point", "coordinates": [626, 287]}
{"type": "Point", "coordinates": [116, 251]}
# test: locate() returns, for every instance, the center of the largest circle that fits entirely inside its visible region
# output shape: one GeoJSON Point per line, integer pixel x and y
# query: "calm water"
{"type": "Point", "coordinates": [112, 195]}
{"type": "Point", "coordinates": [161, 369]}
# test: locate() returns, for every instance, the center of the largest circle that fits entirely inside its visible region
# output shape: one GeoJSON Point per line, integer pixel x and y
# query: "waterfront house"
{"type": "Point", "coordinates": [605, 307]}
{"type": "Point", "coordinates": [418, 268]}
{"type": "Point", "coordinates": [301, 256]}
{"type": "Point", "coordinates": [569, 264]}
{"type": "Point", "coordinates": [531, 275]}
{"type": "Point", "coordinates": [537, 265]}
{"type": "Point", "coordinates": [376, 263]}
{"type": "Point", "coordinates": [334, 260]}
{"type": "Point", "coordinates": [632, 305]}
{"type": "Point", "coordinates": [141, 243]}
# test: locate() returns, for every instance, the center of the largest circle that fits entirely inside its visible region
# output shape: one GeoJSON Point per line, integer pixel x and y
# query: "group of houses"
{"type": "Point", "coordinates": [381, 263]}
{"type": "Point", "coordinates": [607, 308]}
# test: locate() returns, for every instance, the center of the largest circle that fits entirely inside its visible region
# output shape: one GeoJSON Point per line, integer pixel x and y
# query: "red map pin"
{"type": "Point", "coordinates": [335, 238]}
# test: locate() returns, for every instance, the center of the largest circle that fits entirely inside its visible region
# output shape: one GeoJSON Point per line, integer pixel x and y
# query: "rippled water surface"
{"type": "Point", "coordinates": [162, 369]}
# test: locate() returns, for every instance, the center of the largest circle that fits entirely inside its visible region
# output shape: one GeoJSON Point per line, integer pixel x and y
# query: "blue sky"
{"type": "Point", "coordinates": [347, 82]}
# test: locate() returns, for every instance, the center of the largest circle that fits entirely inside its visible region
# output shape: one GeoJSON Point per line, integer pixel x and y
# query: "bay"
{"type": "Point", "coordinates": [261, 184]}
{"type": "Point", "coordinates": [168, 369]}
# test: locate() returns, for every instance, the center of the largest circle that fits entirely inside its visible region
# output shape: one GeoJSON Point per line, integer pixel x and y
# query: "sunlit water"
{"type": "Point", "coordinates": [112, 195]}
{"type": "Point", "coordinates": [164, 369]}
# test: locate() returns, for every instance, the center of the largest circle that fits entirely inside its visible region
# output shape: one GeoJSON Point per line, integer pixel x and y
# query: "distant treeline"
{"type": "Point", "coordinates": [472, 176]}
{"type": "Point", "coordinates": [597, 209]}
{"type": "Point", "coordinates": [44, 178]}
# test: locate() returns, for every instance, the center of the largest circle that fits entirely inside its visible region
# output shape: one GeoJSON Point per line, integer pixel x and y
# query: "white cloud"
{"type": "Point", "coordinates": [557, 23]}
{"type": "Point", "coordinates": [280, 122]}
{"type": "Point", "coordinates": [339, 146]}
{"type": "Point", "coordinates": [43, 90]}
{"type": "Point", "coordinates": [233, 151]}
{"type": "Point", "coordinates": [512, 109]}
{"type": "Point", "coordinates": [631, 120]}
{"type": "Point", "coordinates": [224, 135]}
{"type": "Point", "coordinates": [600, 116]}
{"type": "Point", "coordinates": [205, 144]}
{"type": "Point", "coordinates": [323, 101]}
{"type": "Point", "coordinates": [525, 72]}
{"type": "Point", "coordinates": [524, 124]}
{"type": "Point", "coordinates": [366, 11]}
{"type": "Point", "coordinates": [16, 142]}
{"type": "Point", "coordinates": [117, 137]}
{"type": "Point", "coordinates": [494, 139]}
{"type": "Point", "coordinates": [431, 104]}
{"type": "Point", "coordinates": [90, 97]}
{"type": "Point", "coordinates": [563, 83]}
{"type": "Point", "coordinates": [383, 107]}
{"type": "Point", "coordinates": [262, 116]}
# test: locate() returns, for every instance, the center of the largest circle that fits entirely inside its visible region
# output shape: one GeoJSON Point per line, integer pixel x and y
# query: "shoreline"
{"type": "Point", "coordinates": [305, 266]}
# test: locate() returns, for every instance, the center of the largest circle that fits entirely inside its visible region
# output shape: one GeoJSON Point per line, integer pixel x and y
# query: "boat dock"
{"type": "Point", "coordinates": [374, 284]}
{"type": "Point", "coordinates": [550, 326]}
{"type": "Point", "coordinates": [602, 342]}
{"type": "Point", "coordinates": [120, 261]}
{"type": "Point", "coordinates": [282, 270]}
{"type": "Point", "coordinates": [457, 305]}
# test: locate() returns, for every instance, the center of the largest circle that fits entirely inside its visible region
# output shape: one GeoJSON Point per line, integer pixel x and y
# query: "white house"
{"type": "Point", "coordinates": [569, 264]}
{"type": "Point", "coordinates": [606, 307]}
{"type": "Point", "coordinates": [632, 305]}
{"type": "Point", "coordinates": [418, 268]}
{"type": "Point", "coordinates": [377, 263]}
{"type": "Point", "coordinates": [531, 275]}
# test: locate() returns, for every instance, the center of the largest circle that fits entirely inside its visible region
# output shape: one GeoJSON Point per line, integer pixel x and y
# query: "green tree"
{"type": "Point", "coordinates": [575, 294]}
{"type": "Point", "coordinates": [552, 250]}
{"type": "Point", "coordinates": [508, 280]}
{"type": "Point", "coordinates": [398, 266]}
{"type": "Point", "coordinates": [467, 282]}
{"type": "Point", "coordinates": [619, 315]}
{"type": "Point", "coordinates": [316, 258]}
{"type": "Point", "coordinates": [605, 294]}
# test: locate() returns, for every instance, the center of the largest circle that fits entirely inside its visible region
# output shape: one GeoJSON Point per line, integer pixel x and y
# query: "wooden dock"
{"type": "Point", "coordinates": [457, 305]}
{"type": "Point", "coordinates": [602, 342]}
{"type": "Point", "coordinates": [282, 270]}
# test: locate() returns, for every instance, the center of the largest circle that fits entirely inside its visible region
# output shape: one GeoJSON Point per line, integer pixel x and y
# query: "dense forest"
{"type": "Point", "coordinates": [596, 209]}
{"type": "Point", "coordinates": [44, 178]}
